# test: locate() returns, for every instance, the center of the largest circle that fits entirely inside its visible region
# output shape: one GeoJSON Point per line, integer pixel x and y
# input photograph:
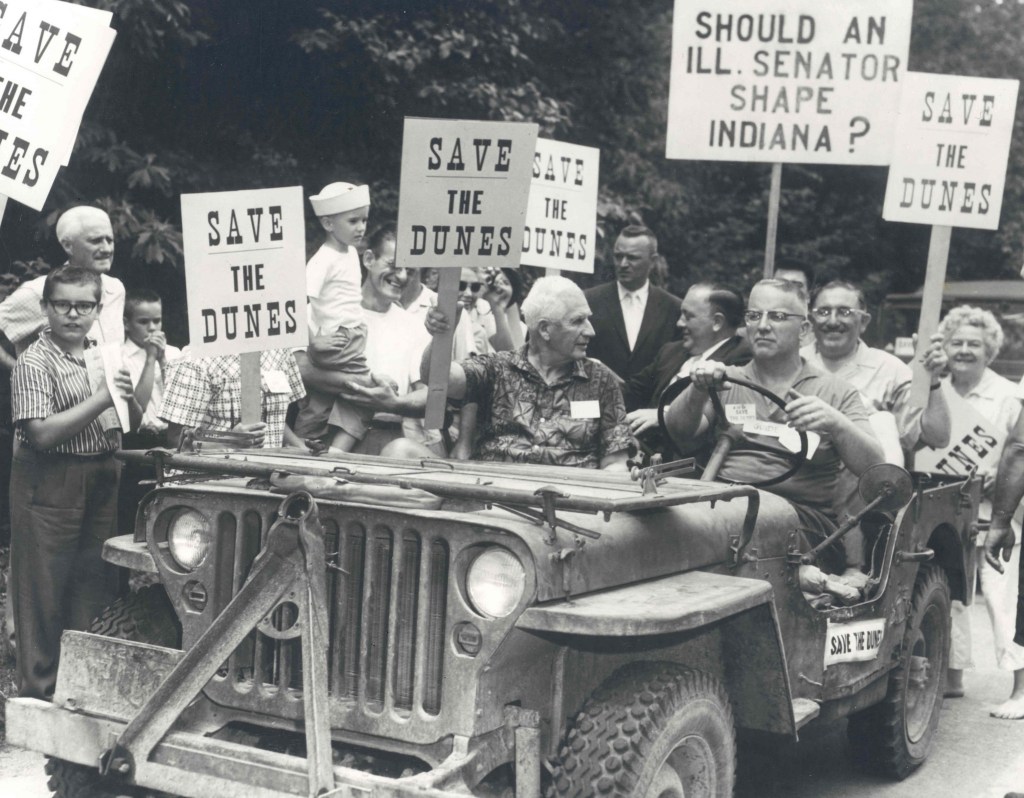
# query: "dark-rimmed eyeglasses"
{"type": "Point", "coordinates": [474, 287]}
{"type": "Point", "coordinates": [842, 312]}
{"type": "Point", "coordinates": [63, 306]}
{"type": "Point", "coordinates": [776, 316]}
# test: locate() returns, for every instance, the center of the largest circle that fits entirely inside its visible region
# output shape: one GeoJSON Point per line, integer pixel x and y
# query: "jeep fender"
{"type": "Point", "coordinates": [723, 624]}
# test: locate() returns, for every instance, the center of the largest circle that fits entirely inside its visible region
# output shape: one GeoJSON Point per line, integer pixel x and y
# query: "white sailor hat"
{"type": "Point", "coordinates": [339, 198]}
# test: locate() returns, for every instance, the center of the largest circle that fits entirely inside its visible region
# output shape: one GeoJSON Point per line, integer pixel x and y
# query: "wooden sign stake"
{"type": "Point", "coordinates": [774, 194]}
{"type": "Point", "coordinates": [441, 353]}
{"type": "Point", "coordinates": [931, 307]}
{"type": "Point", "coordinates": [252, 392]}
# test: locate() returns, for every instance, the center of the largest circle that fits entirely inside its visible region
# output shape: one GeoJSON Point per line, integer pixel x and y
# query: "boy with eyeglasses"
{"type": "Point", "coordinates": [829, 410]}
{"type": "Point", "coordinates": [64, 480]}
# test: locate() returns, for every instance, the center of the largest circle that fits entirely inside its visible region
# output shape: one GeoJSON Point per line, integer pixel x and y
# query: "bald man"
{"type": "Point", "coordinates": [87, 237]}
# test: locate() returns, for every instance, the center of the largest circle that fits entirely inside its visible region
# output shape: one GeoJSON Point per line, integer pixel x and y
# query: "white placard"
{"type": "Point", "coordinates": [859, 641]}
{"type": "Point", "coordinates": [562, 211]}
{"type": "Point", "coordinates": [245, 262]}
{"type": "Point", "coordinates": [786, 81]}
{"type": "Point", "coordinates": [51, 54]}
{"type": "Point", "coordinates": [463, 194]}
{"type": "Point", "coordinates": [950, 152]}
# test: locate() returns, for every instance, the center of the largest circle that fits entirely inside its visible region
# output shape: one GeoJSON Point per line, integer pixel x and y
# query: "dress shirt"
{"type": "Point", "coordinates": [693, 360]}
{"type": "Point", "coordinates": [134, 358]}
{"type": "Point", "coordinates": [634, 303]}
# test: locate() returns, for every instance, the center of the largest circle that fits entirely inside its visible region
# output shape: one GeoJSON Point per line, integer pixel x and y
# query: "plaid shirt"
{"type": "Point", "coordinates": [206, 392]}
{"type": "Point", "coordinates": [522, 419]}
{"type": "Point", "coordinates": [48, 380]}
{"type": "Point", "coordinates": [21, 317]}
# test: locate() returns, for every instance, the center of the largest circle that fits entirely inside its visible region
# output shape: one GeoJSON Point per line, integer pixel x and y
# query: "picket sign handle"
{"type": "Point", "coordinates": [931, 307]}
{"type": "Point", "coordinates": [441, 352]}
{"type": "Point", "coordinates": [252, 393]}
{"type": "Point", "coordinates": [774, 195]}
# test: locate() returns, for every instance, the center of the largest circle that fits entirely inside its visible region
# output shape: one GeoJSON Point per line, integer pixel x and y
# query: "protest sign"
{"type": "Point", "coordinates": [51, 54]}
{"type": "Point", "coordinates": [462, 203]}
{"type": "Point", "coordinates": [245, 260]}
{"type": "Point", "coordinates": [974, 441]}
{"type": "Point", "coordinates": [562, 211]}
{"type": "Point", "coordinates": [463, 192]}
{"type": "Point", "coordinates": [794, 81]}
{"type": "Point", "coordinates": [952, 142]}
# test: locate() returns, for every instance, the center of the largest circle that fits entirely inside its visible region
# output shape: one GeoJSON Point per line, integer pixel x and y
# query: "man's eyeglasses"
{"type": "Point", "coordinates": [842, 312]}
{"type": "Point", "coordinates": [63, 307]}
{"type": "Point", "coordinates": [776, 316]}
{"type": "Point", "coordinates": [474, 287]}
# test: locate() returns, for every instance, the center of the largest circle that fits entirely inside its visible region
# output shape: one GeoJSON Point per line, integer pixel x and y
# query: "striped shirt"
{"type": "Point", "coordinates": [206, 392]}
{"type": "Point", "coordinates": [47, 380]}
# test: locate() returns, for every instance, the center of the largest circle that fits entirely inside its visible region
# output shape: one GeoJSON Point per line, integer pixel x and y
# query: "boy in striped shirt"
{"type": "Point", "coordinates": [63, 481]}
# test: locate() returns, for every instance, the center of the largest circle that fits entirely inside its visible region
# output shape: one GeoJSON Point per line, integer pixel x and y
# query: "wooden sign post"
{"type": "Point", "coordinates": [462, 203]}
{"type": "Point", "coordinates": [948, 170]}
{"type": "Point", "coordinates": [245, 257]}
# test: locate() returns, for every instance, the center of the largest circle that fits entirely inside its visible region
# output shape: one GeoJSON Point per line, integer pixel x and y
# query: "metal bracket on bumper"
{"type": "Point", "coordinates": [292, 565]}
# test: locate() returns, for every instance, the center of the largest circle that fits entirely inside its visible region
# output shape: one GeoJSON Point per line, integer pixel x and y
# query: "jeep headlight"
{"type": "Point", "coordinates": [188, 539]}
{"type": "Point", "coordinates": [495, 582]}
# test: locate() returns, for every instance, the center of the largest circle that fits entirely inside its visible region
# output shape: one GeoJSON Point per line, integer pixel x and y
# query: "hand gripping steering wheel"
{"type": "Point", "coordinates": [728, 432]}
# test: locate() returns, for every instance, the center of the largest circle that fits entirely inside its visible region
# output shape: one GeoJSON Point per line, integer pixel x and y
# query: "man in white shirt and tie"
{"type": "Point", "coordinates": [632, 319]}
{"type": "Point", "coordinates": [709, 318]}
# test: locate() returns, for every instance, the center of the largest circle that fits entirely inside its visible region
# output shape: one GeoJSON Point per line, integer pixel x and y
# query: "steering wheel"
{"type": "Point", "coordinates": [725, 436]}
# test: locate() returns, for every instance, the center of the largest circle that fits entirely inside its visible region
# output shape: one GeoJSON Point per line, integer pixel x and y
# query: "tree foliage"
{"type": "Point", "coordinates": [208, 95]}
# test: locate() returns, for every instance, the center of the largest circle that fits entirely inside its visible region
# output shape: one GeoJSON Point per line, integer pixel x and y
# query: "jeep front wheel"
{"type": "Point", "coordinates": [896, 734]}
{"type": "Point", "coordinates": [653, 730]}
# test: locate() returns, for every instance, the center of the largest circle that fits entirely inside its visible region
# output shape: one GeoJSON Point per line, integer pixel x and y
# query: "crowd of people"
{"type": "Point", "coordinates": [552, 376]}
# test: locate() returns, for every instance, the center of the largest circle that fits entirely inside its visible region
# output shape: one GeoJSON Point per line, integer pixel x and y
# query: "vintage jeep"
{"type": "Point", "coordinates": [366, 626]}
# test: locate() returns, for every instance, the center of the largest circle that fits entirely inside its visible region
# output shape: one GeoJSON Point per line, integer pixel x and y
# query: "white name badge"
{"type": "Point", "coordinates": [276, 381]}
{"type": "Point", "coordinates": [740, 413]}
{"type": "Point", "coordinates": [589, 408]}
{"type": "Point", "coordinates": [859, 641]}
{"type": "Point", "coordinates": [787, 436]}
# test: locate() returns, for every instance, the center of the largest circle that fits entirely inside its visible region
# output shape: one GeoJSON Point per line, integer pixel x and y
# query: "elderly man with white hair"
{"type": "Point", "coordinates": [87, 237]}
{"type": "Point", "coordinates": [545, 402]}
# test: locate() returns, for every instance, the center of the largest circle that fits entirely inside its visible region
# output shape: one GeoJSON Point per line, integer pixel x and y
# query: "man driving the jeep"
{"type": "Point", "coordinates": [827, 409]}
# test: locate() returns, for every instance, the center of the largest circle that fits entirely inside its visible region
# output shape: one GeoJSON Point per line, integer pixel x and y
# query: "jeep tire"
{"type": "Point", "coordinates": [143, 617]}
{"type": "Point", "coordinates": [894, 736]}
{"type": "Point", "coordinates": [652, 729]}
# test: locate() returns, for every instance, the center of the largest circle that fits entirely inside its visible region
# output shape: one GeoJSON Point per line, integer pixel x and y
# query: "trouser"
{"type": "Point", "coordinates": [63, 508]}
{"type": "Point", "coordinates": [999, 591]}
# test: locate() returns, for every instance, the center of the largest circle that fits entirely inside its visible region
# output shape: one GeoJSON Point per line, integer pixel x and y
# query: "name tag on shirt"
{"type": "Point", "coordinates": [590, 408]}
{"type": "Point", "coordinates": [276, 381]}
{"type": "Point", "coordinates": [787, 436]}
{"type": "Point", "coordinates": [740, 413]}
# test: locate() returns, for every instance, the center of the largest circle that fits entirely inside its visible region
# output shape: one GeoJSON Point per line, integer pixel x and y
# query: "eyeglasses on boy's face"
{"type": "Point", "coordinates": [842, 312]}
{"type": "Point", "coordinates": [474, 287]}
{"type": "Point", "coordinates": [64, 306]}
{"type": "Point", "coordinates": [775, 316]}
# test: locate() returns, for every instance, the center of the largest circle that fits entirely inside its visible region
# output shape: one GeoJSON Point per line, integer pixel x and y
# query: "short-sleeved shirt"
{"type": "Point", "coordinates": [884, 384]}
{"type": "Point", "coordinates": [47, 380]}
{"type": "Point", "coordinates": [813, 485]}
{"type": "Point", "coordinates": [334, 288]}
{"type": "Point", "coordinates": [206, 392]}
{"type": "Point", "coordinates": [22, 319]}
{"type": "Point", "coordinates": [522, 419]}
{"type": "Point", "coordinates": [133, 357]}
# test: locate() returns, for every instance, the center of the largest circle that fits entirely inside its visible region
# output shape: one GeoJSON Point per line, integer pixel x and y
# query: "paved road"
{"type": "Point", "coordinates": [961, 764]}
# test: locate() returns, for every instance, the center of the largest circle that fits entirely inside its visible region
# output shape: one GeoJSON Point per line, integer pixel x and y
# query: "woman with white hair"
{"type": "Point", "coordinates": [972, 338]}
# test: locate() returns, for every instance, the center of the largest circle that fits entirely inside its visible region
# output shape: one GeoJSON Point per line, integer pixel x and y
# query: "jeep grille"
{"type": "Point", "coordinates": [386, 651]}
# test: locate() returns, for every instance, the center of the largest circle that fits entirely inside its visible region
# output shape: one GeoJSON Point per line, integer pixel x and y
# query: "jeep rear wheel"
{"type": "Point", "coordinates": [895, 735]}
{"type": "Point", "coordinates": [653, 730]}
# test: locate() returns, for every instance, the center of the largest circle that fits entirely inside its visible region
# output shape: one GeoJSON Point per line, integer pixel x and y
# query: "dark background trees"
{"type": "Point", "coordinates": [207, 95]}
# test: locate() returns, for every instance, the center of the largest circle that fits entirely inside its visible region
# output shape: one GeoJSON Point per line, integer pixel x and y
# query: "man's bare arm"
{"type": "Point", "coordinates": [1008, 494]}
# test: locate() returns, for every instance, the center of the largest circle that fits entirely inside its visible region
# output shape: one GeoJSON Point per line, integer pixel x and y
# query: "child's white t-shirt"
{"type": "Point", "coordinates": [333, 286]}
